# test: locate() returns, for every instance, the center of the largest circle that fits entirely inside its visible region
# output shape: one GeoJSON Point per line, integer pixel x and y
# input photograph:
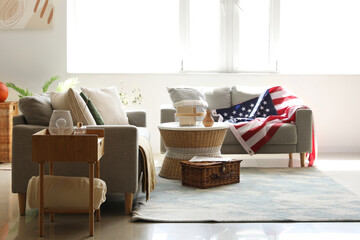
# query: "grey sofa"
{"type": "Point", "coordinates": [120, 166]}
{"type": "Point", "coordinates": [290, 138]}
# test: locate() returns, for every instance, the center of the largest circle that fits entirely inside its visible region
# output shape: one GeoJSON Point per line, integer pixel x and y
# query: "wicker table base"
{"type": "Point", "coordinates": [183, 143]}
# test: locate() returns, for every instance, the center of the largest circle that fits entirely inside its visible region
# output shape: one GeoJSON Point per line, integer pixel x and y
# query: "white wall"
{"type": "Point", "coordinates": [30, 57]}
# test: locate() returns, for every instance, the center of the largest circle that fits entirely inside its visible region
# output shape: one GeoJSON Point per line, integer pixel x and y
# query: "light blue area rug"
{"type": "Point", "coordinates": [263, 195]}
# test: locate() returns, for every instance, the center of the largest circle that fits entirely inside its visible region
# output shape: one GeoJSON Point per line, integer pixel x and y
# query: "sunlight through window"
{"type": "Point", "coordinates": [320, 36]}
{"type": "Point", "coordinates": [123, 36]}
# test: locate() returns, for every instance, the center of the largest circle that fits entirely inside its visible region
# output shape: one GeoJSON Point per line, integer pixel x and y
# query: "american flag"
{"type": "Point", "coordinates": [255, 121]}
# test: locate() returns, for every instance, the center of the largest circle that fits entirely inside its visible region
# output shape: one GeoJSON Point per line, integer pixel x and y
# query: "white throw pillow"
{"type": "Point", "coordinates": [72, 101]}
{"type": "Point", "coordinates": [108, 103]}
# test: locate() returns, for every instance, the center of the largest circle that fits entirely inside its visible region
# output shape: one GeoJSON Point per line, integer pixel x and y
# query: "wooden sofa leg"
{"type": "Point", "coordinates": [22, 203]}
{"type": "Point", "coordinates": [291, 164]}
{"type": "Point", "coordinates": [302, 159]}
{"type": "Point", "coordinates": [128, 203]}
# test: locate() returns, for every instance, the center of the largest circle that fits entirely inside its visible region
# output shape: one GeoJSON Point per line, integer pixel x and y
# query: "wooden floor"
{"type": "Point", "coordinates": [115, 224]}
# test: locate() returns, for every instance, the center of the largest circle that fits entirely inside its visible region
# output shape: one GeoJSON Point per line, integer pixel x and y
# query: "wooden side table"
{"type": "Point", "coordinates": [7, 111]}
{"type": "Point", "coordinates": [68, 148]}
{"type": "Point", "coordinates": [183, 143]}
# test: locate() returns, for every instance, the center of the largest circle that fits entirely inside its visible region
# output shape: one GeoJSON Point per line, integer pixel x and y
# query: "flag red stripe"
{"type": "Point", "coordinates": [283, 99]}
{"type": "Point", "coordinates": [281, 111]}
{"type": "Point", "coordinates": [267, 137]}
{"type": "Point", "coordinates": [275, 89]}
{"type": "Point", "coordinates": [239, 125]}
{"type": "Point", "coordinates": [246, 136]}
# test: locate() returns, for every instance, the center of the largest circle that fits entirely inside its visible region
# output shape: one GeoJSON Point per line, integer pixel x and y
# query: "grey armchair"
{"type": "Point", "coordinates": [120, 166]}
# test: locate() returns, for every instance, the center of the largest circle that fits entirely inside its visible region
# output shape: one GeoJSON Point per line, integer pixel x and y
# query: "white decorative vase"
{"type": "Point", "coordinates": [61, 123]}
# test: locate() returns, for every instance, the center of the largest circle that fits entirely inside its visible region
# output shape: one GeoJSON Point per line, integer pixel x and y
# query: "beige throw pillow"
{"type": "Point", "coordinates": [108, 103]}
{"type": "Point", "coordinates": [58, 101]}
{"type": "Point", "coordinates": [79, 108]}
{"type": "Point", "coordinates": [72, 101]}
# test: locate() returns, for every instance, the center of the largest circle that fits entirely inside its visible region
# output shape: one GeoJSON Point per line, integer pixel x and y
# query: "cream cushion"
{"type": "Point", "coordinates": [79, 108]}
{"type": "Point", "coordinates": [65, 192]}
{"type": "Point", "coordinates": [72, 101]}
{"type": "Point", "coordinates": [108, 103]}
{"type": "Point", "coordinates": [58, 101]}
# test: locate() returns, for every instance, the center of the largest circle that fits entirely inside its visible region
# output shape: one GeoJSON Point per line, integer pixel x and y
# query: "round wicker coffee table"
{"type": "Point", "coordinates": [183, 143]}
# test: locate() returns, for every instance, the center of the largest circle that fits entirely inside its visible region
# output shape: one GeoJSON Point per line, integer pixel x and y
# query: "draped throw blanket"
{"type": "Point", "coordinates": [255, 121]}
{"type": "Point", "coordinates": [149, 180]}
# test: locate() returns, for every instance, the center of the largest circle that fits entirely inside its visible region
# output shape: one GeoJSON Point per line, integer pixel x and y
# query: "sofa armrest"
{"type": "Point", "coordinates": [167, 113]}
{"type": "Point", "coordinates": [23, 168]}
{"type": "Point", "coordinates": [120, 162]}
{"type": "Point", "coordinates": [304, 130]}
{"type": "Point", "coordinates": [19, 119]}
{"type": "Point", "coordinates": [137, 117]}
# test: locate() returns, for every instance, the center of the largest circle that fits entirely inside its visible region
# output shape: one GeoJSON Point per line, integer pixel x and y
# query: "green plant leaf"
{"type": "Point", "coordinates": [23, 92]}
{"type": "Point", "coordinates": [48, 83]}
{"type": "Point", "coordinates": [123, 97]}
{"type": "Point", "coordinates": [65, 85]}
{"type": "Point", "coordinates": [136, 97]}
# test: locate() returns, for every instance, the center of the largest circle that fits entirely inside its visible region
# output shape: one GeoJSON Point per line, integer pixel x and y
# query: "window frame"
{"type": "Point", "coordinates": [229, 36]}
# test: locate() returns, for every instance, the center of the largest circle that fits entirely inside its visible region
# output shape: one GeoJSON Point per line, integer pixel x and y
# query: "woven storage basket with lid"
{"type": "Point", "coordinates": [210, 174]}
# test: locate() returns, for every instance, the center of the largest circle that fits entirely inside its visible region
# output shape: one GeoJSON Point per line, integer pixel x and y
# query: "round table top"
{"type": "Point", "coordinates": [176, 127]}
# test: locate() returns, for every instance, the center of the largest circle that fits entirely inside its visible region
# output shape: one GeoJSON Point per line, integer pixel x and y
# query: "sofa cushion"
{"type": "Point", "coordinates": [185, 96]}
{"type": "Point", "coordinates": [218, 97]}
{"type": "Point", "coordinates": [286, 134]}
{"type": "Point", "coordinates": [72, 101]}
{"type": "Point", "coordinates": [241, 94]}
{"type": "Point", "coordinates": [108, 103]}
{"type": "Point", "coordinates": [79, 108]}
{"type": "Point", "coordinates": [93, 110]}
{"type": "Point", "coordinates": [58, 101]}
{"type": "Point", "coordinates": [36, 109]}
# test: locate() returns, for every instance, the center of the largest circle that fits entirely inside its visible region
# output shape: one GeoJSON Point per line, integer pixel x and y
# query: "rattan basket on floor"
{"type": "Point", "coordinates": [210, 174]}
{"type": "Point", "coordinates": [7, 111]}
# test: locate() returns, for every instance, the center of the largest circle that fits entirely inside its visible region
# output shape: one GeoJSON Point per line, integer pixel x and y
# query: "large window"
{"type": "Point", "coordinates": [229, 35]}
{"type": "Point", "coordinates": [320, 36]}
{"type": "Point", "coordinates": [110, 36]}
{"type": "Point", "coordinates": [162, 36]}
